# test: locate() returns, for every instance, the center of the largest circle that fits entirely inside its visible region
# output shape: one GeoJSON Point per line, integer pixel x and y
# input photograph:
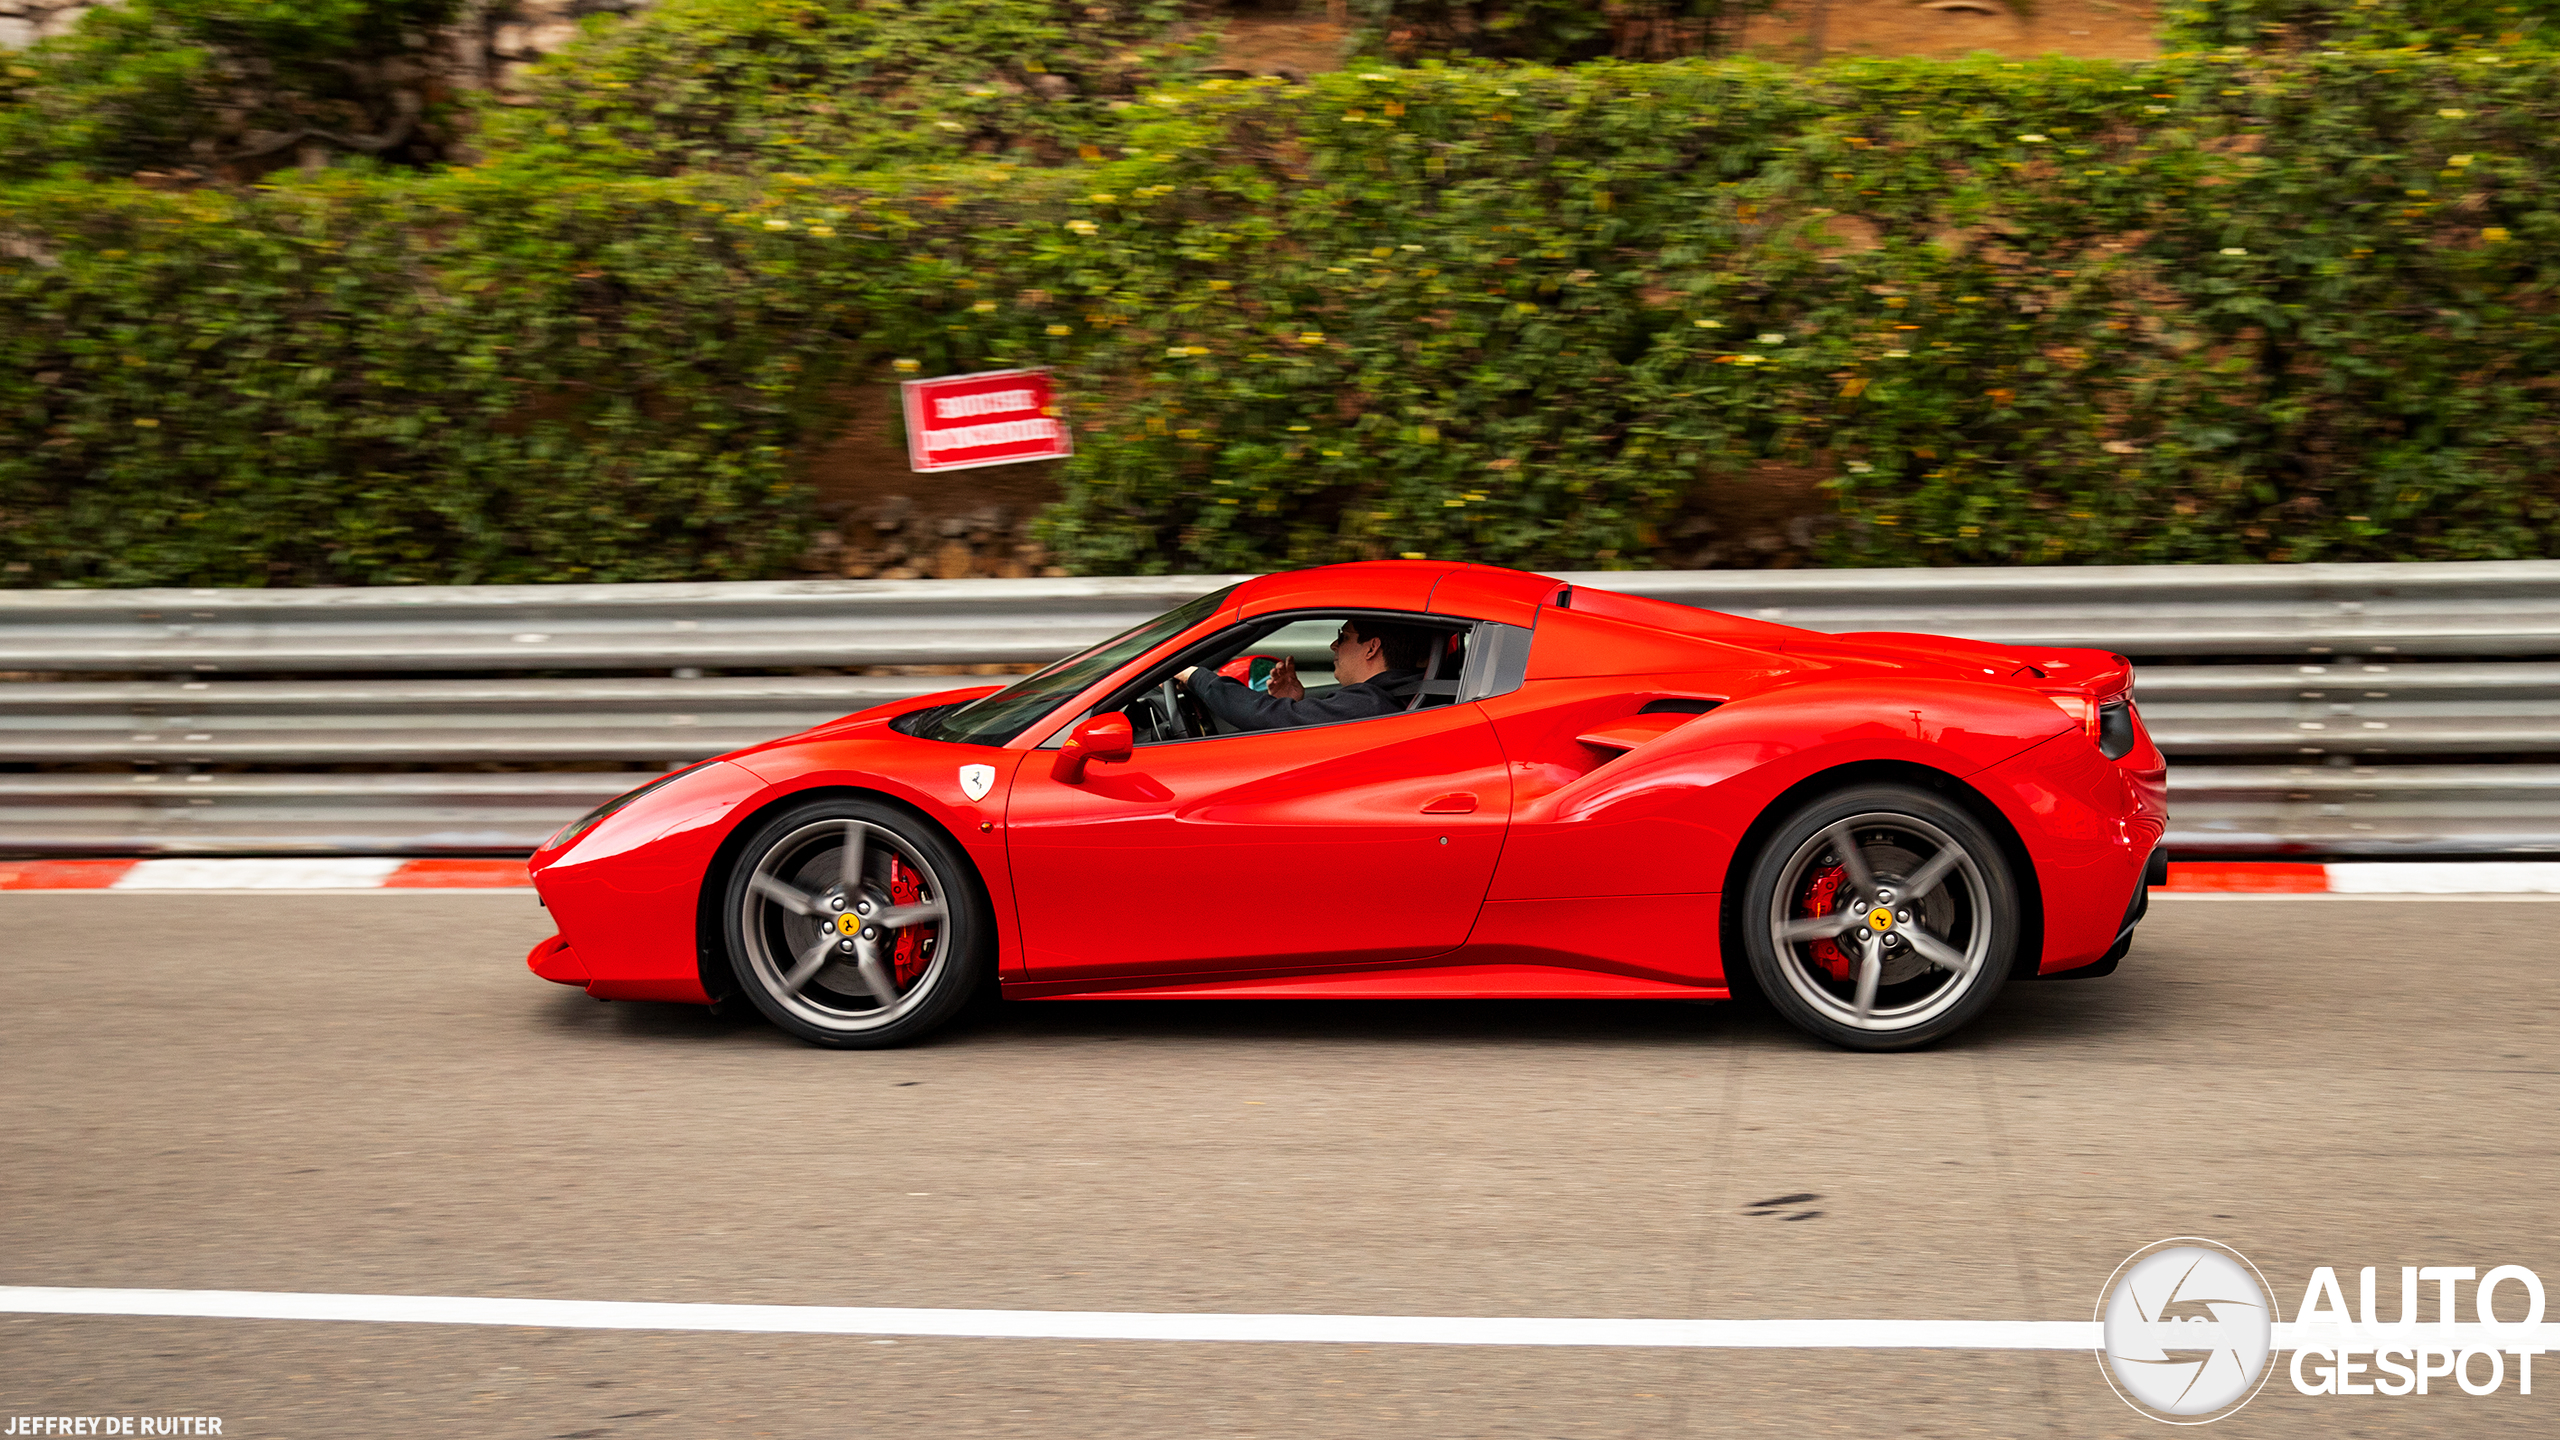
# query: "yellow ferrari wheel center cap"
{"type": "Point", "coordinates": [847, 924]}
{"type": "Point", "coordinates": [1879, 919]}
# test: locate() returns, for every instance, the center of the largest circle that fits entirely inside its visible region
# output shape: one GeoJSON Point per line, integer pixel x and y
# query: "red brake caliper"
{"type": "Point", "coordinates": [911, 956]}
{"type": "Point", "coordinates": [1818, 895]}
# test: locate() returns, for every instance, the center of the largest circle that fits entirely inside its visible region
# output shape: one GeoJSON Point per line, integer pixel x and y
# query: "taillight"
{"type": "Point", "coordinates": [2115, 728]}
{"type": "Point", "coordinates": [2108, 726]}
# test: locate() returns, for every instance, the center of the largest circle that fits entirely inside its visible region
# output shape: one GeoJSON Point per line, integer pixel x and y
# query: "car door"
{"type": "Point", "coordinates": [1359, 843]}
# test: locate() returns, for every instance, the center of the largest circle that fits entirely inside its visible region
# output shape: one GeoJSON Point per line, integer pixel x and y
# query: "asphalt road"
{"type": "Point", "coordinates": [369, 1093]}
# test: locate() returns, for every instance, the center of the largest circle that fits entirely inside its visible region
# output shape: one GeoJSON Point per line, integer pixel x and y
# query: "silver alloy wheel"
{"type": "Point", "coordinates": [1938, 913]}
{"type": "Point", "coordinates": [821, 928]}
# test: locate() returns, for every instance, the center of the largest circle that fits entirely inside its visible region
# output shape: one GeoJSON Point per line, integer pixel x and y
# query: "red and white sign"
{"type": "Point", "coordinates": [960, 422]}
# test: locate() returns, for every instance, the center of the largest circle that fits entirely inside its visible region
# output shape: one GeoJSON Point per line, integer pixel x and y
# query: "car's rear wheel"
{"type": "Point", "coordinates": [853, 924]}
{"type": "Point", "coordinates": [1880, 917]}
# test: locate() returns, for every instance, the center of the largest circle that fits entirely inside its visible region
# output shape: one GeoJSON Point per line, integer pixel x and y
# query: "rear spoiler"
{"type": "Point", "coordinates": [2098, 675]}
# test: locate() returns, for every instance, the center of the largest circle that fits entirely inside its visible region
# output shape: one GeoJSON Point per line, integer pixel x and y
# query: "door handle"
{"type": "Point", "coordinates": [1455, 803]}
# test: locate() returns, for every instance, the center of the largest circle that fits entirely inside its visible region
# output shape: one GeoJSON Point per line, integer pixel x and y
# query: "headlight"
{"type": "Point", "coordinates": [580, 826]}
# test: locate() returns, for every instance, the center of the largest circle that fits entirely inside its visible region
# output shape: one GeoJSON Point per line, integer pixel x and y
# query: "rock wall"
{"type": "Point", "coordinates": [24, 22]}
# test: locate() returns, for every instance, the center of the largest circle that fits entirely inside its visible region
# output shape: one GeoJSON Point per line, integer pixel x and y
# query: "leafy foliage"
{"type": "Point", "coordinates": [2207, 24]}
{"type": "Point", "coordinates": [2199, 311]}
{"type": "Point", "coordinates": [151, 83]}
{"type": "Point", "coordinates": [374, 382]}
{"type": "Point", "coordinates": [693, 85]}
{"type": "Point", "coordinates": [2223, 307]}
{"type": "Point", "coordinates": [1551, 31]}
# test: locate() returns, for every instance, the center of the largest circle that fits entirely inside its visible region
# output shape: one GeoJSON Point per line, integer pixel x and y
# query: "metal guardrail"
{"type": "Point", "coordinates": [2337, 709]}
{"type": "Point", "coordinates": [2497, 608]}
{"type": "Point", "coordinates": [513, 628]}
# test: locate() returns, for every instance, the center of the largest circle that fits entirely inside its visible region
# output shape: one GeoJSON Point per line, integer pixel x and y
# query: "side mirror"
{"type": "Point", "coordinates": [1106, 737]}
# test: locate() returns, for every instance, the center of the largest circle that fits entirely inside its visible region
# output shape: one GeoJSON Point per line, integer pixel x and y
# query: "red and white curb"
{"type": "Point", "coordinates": [2198, 877]}
{"type": "Point", "coordinates": [2364, 877]}
{"type": "Point", "coordinates": [329, 872]}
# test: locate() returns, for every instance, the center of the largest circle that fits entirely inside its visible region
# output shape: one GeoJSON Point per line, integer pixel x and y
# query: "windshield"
{"type": "Point", "coordinates": [996, 719]}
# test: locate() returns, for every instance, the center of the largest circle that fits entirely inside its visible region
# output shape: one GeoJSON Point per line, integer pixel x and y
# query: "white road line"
{"type": "Point", "coordinates": [1172, 1326]}
{"type": "Point", "coordinates": [1059, 1324]}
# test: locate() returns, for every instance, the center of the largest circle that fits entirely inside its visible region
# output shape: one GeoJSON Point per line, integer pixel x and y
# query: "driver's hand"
{"type": "Point", "coordinates": [1183, 675]}
{"type": "Point", "coordinates": [1283, 684]}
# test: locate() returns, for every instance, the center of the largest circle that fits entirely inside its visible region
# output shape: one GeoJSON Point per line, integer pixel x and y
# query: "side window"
{"type": "Point", "coordinates": [1308, 645]}
{"type": "Point", "coordinates": [1290, 674]}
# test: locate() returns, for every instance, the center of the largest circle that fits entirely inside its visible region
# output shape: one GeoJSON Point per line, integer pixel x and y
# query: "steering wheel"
{"type": "Point", "coordinates": [1188, 718]}
{"type": "Point", "coordinates": [1149, 720]}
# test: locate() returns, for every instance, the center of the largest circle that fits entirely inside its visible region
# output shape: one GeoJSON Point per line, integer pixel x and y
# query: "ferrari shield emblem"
{"type": "Point", "coordinates": [977, 780]}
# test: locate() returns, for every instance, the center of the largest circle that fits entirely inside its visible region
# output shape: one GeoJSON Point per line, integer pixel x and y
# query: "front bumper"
{"type": "Point", "coordinates": [553, 960]}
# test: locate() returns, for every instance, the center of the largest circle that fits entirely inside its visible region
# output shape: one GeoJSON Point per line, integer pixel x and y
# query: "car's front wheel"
{"type": "Point", "coordinates": [853, 924]}
{"type": "Point", "coordinates": [1880, 917]}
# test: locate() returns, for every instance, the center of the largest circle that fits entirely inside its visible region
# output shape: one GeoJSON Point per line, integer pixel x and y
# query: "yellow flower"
{"type": "Point", "coordinates": [1062, 329]}
{"type": "Point", "coordinates": [904, 367]}
{"type": "Point", "coordinates": [2494, 235]}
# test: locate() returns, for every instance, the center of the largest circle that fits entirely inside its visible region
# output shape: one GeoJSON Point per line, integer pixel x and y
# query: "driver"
{"type": "Point", "coordinates": [1378, 665]}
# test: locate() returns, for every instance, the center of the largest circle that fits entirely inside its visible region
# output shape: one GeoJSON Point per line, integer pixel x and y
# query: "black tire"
{"type": "Point", "coordinates": [1939, 957]}
{"type": "Point", "coordinates": [861, 986]}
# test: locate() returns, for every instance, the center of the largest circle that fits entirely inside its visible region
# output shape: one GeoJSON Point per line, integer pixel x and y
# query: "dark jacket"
{"type": "Point", "coordinates": [1246, 708]}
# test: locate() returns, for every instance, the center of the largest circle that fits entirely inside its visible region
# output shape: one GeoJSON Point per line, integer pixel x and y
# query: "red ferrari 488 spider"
{"type": "Point", "coordinates": [1585, 795]}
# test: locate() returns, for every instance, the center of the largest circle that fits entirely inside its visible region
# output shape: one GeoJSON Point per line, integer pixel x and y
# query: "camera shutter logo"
{"type": "Point", "coordinates": [2189, 1331]}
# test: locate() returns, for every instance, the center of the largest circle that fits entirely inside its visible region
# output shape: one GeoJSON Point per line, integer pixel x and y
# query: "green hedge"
{"type": "Point", "coordinates": [162, 84]}
{"type": "Point", "coordinates": [809, 85]}
{"type": "Point", "coordinates": [2204, 310]}
{"type": "Point", "coordinates": [2301, 24]}
{"type": "Point", "coordinates": [370, 381]}
{"type": "Point", "coordinates": [2216, 308]}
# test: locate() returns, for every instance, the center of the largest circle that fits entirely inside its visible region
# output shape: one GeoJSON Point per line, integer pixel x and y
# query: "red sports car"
{"type": "Point", "coordinates": [1583, 795]}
